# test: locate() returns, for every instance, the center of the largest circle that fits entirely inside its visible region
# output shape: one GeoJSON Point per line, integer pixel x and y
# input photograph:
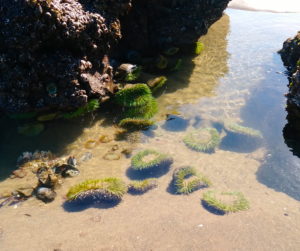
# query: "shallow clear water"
{"type": "Point", "coordinates": [239, 76]}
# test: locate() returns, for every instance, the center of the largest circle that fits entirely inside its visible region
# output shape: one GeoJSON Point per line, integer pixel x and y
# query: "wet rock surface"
{"type": "Point", "coordinates": [290, 54]}
{"type": "Point", "coordinates": [52, 52]}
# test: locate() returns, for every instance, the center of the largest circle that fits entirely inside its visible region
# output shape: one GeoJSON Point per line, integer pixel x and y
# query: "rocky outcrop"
{"type": "Point", "coordinates": [290, 54]}
{"type": "Point", "coordinates": [53, 52]}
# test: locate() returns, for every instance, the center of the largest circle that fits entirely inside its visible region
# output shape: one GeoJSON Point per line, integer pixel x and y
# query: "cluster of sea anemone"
{"type": "Point", "coordinates": [138, 106]}
{"type": "Point", "coordinates": [107, 189]}
{"type": "Point", "coordinates": [203, 140]}
{"type": "Point", "coordinates": [149, 159]}
{"type": "Point", "coordinates": [225, 202]}
{"type": "Point", "coordinates": [187, 179]}
{"type": "Point", "coordinates": [142, 186]}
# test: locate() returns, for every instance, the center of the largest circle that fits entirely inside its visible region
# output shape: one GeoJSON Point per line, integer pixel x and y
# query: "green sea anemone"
{"type": "Point", "coordinates": [226, 201]}
{"type": "Point", "coordinates": [203, 140]}
{"type": "Point", "coordinates": [199, 47]}
{"type": "Point", "coordinates": [47, 117]}
{"type": "Point", "coordinates": [157, 83]}
{"type": "Point", "coordinates": [134, 75]}
{"type": "Point", "coordinates": [148, 159]}
{"type": "Point", "coordinates": [137, 95]}
{"type": "Point", "coordinates": [139, 187]}
{"type": "Point", "coordinates": [242, 130]}
{"type": "Point", "coordinates": [135, 123]}
{"type": "Point", "coordinates": [162, 62]}
{"type": "Point", "coordinates": [171, 51]}
{"type": "Point", "coordinates": [31, 129]}
{"type": "Point", "coordinates": [178, 65]}
{"type": "Point", "coordinates": [92, 105]}
{"type": "Point", "coordinates": [146, 111]}
{"type": "Point", "coordinates": [107, 189]}
{"type": "Point", "coordinates": [187, 179]}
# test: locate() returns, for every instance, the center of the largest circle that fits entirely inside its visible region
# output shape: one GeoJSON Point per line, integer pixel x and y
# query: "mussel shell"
{"type": "Point", "coordinates": [66, 170]}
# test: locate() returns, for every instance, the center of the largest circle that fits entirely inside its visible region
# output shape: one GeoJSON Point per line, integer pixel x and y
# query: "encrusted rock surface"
{"type": "Point", "coordinates": [290, 54]}
{"type": "Point", "coordinates": [52, 52]}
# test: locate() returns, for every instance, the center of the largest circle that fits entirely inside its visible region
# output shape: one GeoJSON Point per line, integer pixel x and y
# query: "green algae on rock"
{"type": "Point", "coordinates": [219, 201]}
{"type": "Point", "coordinates": [148, 159]}
{"type": "Point", "coordinates": [242, 130]}
{"type": "Point", "coordinates": [135, 123]}
{"type": "Point", "coordinates": [203, 140]}
{"type": "Point", "coordinates": [139, 187]}
{"type": "Point", "coordinates": [187, 179]}
{"type": "Point", "coordinates": [107, 189]}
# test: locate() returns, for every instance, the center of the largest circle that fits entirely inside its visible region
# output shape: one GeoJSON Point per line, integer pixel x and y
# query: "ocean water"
{"type": "Point", "coordinates": [238, 77]}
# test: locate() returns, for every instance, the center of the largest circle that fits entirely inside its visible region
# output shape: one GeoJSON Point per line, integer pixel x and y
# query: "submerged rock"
{"type": "Point", "coordinates": [45, 194]}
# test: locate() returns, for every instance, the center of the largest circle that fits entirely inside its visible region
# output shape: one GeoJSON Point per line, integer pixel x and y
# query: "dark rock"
{"type": "Point", "coordinates": [290, 54]}
{"type": "Point", "coordinates": [45, 194]}
{"type": "Point", "coordinates": [52, 52]}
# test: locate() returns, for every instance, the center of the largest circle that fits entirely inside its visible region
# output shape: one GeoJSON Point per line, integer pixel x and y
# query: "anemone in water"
{"type": "Point", "coordinates": [225, 202]}
{"type": "Point", "coordinates": [135, 123]}
{"type": "Point", "coordinates": [187, 179]}
{"type": "Point", "coordinates": [31, 129]}
{"type": "Point", "coordinates": [199, 47]}
{"type": "Point", "coordinates": [107, 189]}
{"type": "Point", "coordinates": [146, 111]}
{"type": "Point", "coordinates": [203, 140]}
{"type": "Point", "coordinates": [48, 117]}
{"type": "Point", "coordinates": [139, 187]}
{"type": "Point", "coordinates": [241, 130]}
{"type": "Point", "coordinates": [157, 83]}
{"type": "Point", "coordinates": [171, 51]}
{"type": "Point", "coordinates": [148, 159]}
{"type": "Point", "coordinates": [133, 75]}
{"type": "Point", "coordinates": [92, 105]}
{"type": "Point", "coordinates": [137, 95]}
{"type": "Point", "coordinates": [161, 62]}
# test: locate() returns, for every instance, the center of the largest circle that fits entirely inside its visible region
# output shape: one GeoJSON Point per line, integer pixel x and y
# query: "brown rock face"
{"type": "Point", "coordinates": [52, 52]}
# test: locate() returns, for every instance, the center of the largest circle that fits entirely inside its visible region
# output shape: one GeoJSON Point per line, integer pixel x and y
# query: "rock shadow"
{"type": "Point", "coordinates": [155, 172]}
{"type": "Point", "coordinates": [78, 206]}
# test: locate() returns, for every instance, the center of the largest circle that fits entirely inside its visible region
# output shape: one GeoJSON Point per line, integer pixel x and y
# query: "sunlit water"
{"type": "Point", "coordinates": [239, 76]}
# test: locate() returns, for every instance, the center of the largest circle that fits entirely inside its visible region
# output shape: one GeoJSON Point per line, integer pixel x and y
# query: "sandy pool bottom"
{"type": "Point", "coordinates": [159, 220]}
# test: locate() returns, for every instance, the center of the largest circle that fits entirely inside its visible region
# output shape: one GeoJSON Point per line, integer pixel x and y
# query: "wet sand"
{"type": "Point", "coordinates": [159, 220]}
